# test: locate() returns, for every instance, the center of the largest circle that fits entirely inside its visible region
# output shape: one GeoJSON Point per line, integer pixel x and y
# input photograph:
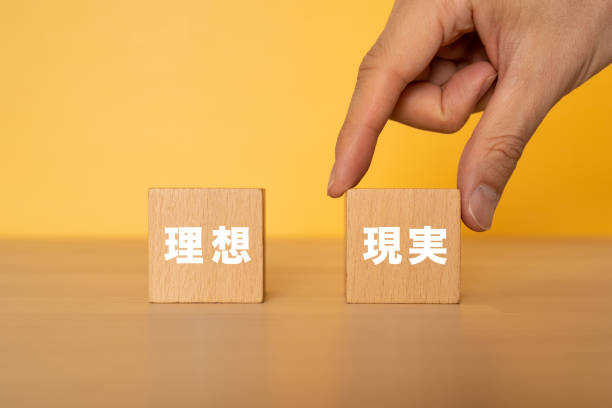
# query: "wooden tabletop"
{"type": "Point", "coordinates": [534, 328]}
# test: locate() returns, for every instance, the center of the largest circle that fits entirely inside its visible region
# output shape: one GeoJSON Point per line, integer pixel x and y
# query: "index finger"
{"type": "Point", "coordinates": [408, 43]}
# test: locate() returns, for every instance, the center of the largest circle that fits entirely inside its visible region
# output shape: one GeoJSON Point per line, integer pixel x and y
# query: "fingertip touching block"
{"type": "Point", "coordinates": [206, 245]}
{"type": "Point", "coordinates": [403, 245]}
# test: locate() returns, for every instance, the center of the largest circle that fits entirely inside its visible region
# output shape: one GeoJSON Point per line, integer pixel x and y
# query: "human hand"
{"type": "Point", "coordinates": [438, 61]}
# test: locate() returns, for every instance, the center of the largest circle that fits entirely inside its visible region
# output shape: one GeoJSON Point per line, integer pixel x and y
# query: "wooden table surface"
{"type": "Point", "coordinates": [534, 329]}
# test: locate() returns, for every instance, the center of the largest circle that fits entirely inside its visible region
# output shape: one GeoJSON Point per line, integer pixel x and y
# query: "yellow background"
{"type": "Point", "coordinates": [103, 99]}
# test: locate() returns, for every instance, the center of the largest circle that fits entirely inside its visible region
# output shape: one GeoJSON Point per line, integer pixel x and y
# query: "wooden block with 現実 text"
{"type": "Point", "coordinates": [206, 245]}
{"type": "Point", "coordinates": [402, 245]}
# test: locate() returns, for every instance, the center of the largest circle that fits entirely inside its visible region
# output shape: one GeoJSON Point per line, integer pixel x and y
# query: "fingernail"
{"type": "Point", "coordinates": [486, 85]}
{"type": "Point", "coordinates": [331, 178]}
{"type": "Point", "coordinates": [482, 205]}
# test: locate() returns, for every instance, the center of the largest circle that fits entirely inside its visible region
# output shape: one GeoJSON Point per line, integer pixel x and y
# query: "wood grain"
{"type": "Point", "coordinates": [424, 282]}
{"type": "Point", "coordinates": [171, 282]}
{"type": "Point", "coordinates": [533, 330]}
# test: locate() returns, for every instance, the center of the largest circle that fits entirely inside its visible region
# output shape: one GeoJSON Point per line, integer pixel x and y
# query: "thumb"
{"type": "Point", "coordinates": [492, 153]}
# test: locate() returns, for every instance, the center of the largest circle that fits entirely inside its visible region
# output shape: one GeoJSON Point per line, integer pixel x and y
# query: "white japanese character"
{"type": "Point", "coordinates": [171, 243]}
{"type": "Point", "coordinates": [188, 248]}
{"type": "Point", "coordinates": [237, 239]}
{"type": "Point", "coordinates": [388, 244]}
{"type": "Point", "coordinates": [427, 243]}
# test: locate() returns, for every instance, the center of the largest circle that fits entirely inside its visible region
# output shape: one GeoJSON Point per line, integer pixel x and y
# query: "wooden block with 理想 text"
{"type": "Point", "coordinates": [206, 245]}
{"type": "Point", "coordinates": [403, 245]}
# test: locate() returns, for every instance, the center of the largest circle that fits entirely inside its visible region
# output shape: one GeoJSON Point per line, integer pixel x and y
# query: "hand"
{"type": "Point", "coordinates": [438, 61]}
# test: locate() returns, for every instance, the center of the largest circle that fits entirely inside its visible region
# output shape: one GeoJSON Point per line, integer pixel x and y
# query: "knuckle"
{"type": "Point", "coordinates": [373, 57]}
{"type": "Point", "coordinates": [378, 59]}
{"type": "Point", "coordinates": [450, 123]}
{"type": "Point", "coordinates": [450, 120]}
{"type": "Point", "coordinates": [505, 151]}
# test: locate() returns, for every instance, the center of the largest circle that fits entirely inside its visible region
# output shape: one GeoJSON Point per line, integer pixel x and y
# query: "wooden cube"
{"type": "Point", "coordinates": [206, 245]}
{"type": "Point", "coordinates": [402, 245]}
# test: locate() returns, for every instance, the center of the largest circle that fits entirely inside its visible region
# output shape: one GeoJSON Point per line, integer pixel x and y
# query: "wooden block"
{"type": "Point", "coordinates": [422, 266]}
{"type": "Point", "coordinates": [226, 265]}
